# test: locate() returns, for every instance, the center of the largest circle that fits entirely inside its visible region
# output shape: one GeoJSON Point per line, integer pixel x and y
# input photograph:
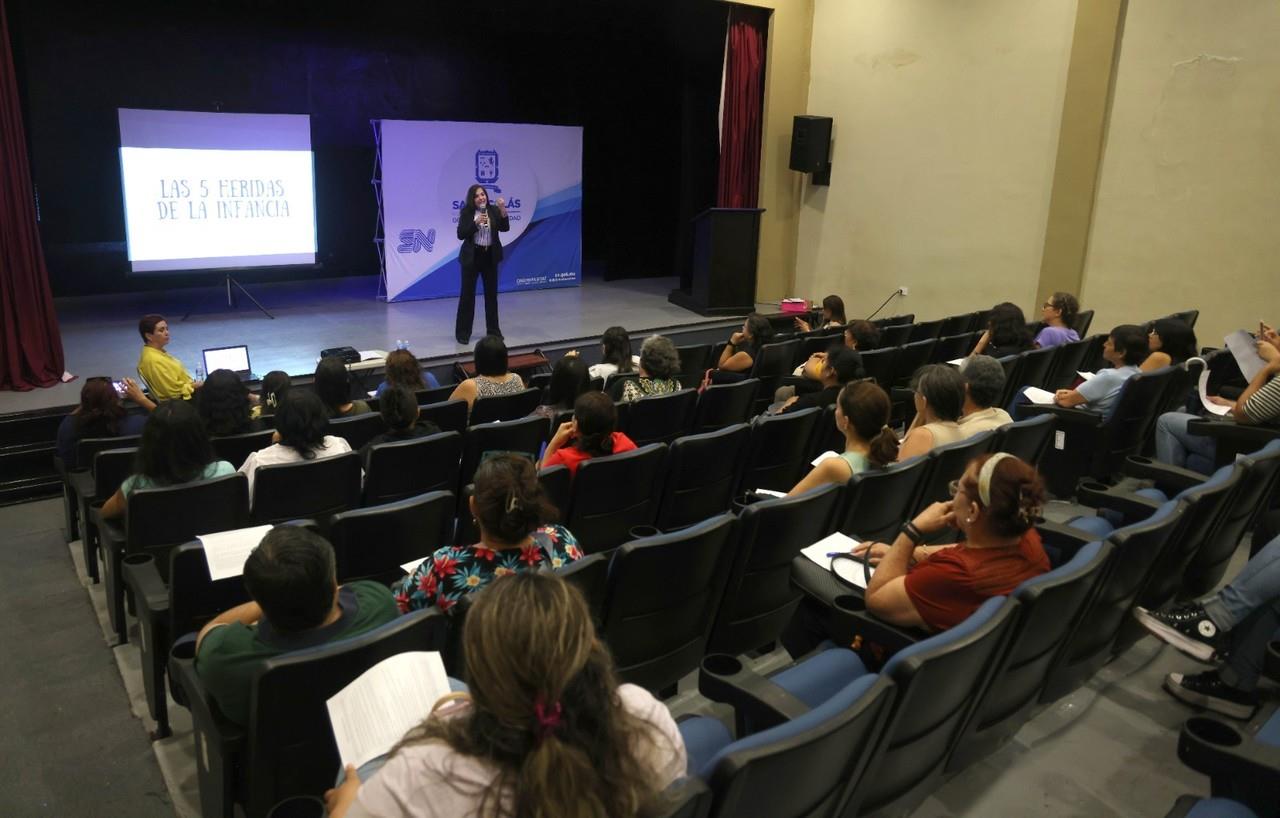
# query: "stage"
{"type": "Point", "coordinates": [100, 333]}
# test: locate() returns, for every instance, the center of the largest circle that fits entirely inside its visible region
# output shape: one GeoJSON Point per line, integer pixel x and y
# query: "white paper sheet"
{"type": "Point", "coordinates": [410, 567]}
{"type": "Point", "coordinates": [226, 551]}
{"type": "Point", "coordinates": [956, 362]}
{"type": "Point", "coordinates": [375, 711]}
{"type": "Point", "coordinates": [1209, 405]}
{"type": "Point", "coordinates": [1086, 375]}
{"type": "Point", "coordinates": [770, 493]}
{"type": "Point", "coordinates": [1038, 396]}
{"type": "Point", "coordinates": [820, 553]}
{"type": "Point", "coordinates": [1244, 348]}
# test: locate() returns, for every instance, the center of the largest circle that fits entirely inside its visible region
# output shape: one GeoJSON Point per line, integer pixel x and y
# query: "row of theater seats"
{"type": "Point", "coordinates": [846, 741]}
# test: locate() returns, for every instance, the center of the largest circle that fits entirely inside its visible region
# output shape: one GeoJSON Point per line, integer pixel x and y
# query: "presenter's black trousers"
{"type": "Point", "coordinates": [484, 266]}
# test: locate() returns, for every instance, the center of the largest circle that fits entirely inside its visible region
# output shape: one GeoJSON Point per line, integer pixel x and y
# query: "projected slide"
{"type": "Point", "coordinates": [211, 191]}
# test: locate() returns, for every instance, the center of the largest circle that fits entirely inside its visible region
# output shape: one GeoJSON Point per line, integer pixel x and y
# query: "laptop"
{"type": "Point", "coordinates": [234, 358]}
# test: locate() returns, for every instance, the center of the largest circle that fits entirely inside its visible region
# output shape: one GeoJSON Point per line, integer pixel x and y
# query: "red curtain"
{"type": "Point", "coordinates": [739, 181]}
{"type": "Point", "coordinates": [30, 344]}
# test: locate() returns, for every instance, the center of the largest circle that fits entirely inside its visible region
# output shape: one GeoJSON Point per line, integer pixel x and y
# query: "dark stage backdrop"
{"type": "Point", "coordinates": [643, 79]}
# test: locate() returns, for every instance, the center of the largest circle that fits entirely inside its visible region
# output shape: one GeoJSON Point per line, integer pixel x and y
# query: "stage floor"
{"type": "Point", "coordinates": [100, 333]}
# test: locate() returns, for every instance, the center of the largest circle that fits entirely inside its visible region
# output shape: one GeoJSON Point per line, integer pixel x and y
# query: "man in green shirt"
{"type": "Point", "coordinates": [297, 603]}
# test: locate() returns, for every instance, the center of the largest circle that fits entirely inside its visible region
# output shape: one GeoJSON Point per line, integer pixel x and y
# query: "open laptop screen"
{"type": "Point", "coordinates": [234, 358]}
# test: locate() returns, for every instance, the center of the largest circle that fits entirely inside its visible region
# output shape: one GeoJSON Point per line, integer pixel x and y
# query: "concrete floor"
{"type": "Point", "coordinates": [1109, 749]}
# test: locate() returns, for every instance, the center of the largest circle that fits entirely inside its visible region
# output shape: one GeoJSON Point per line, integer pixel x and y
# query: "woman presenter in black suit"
{"type": "Point", "coordinates": [479, 224]}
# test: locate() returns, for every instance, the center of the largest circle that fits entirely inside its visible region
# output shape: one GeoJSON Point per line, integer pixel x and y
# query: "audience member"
{"type": "Point", "coordinates": [402, 369]}
{"type": "Point", "coordinates": [492, 376]}
{"type": "Point", "coordinates": [174, 449]}
{"type": "Point", "coordinates": [995, 506]}
{"type": "Point", "coordinates": [333, 385]}
{"type": "Point", "coordinates": [983, 385]}
{"type": "Point", "coordinates": [1125, 348]}
{"type": "Point", "coordinates": [862, 415]}
{"type": "Point", "coordinates": [1170, 342]}
{"type": "Point", "coordinates": [591, 433]}
{"type": "Point", "coordinates": [547, 729]}
{"type": "Point", "coordinates": [938, 392]}
{"type": "Point", "coordinates": [832, 315]}
{"type": "Point", "coordinates": [224, 405]}
{"type": "Point", "coordinates": [1258, 404]}
{"type": "Point", "coordinates": [659, 370]}
{"type": "Point", "coordinates": [297, 603]}
{"type": "Point", "coordinates": [399, 410]}
{"type": "Point", "coordinates": [1006, 332]}
{"type": "Point", "coordinates": [840, 365]}
{"type": "Point", "coordinates": [569, 379]}
{"type": "Point", "coordinates": [301, 423]}
{"type": "Point", "coordinates": [615, 354]}
{"type": "Point", "coordinates": [863, 336]}
{"type": "Point", "coordinates": [1231, 627]}
{"type": "Point", "coordinates": [513, 516]}
{"type": "Point", "coordinates": [1059, 315]}
{"type": "Point", "coordinates": [860, 336]}
{"type": "Point", "coordinates": [739, 355]}
{"type": "Point", "coordinates": [101, 413]}
{"type": "Point", "coordinates": [166, 378]}
{"type": "Point", "coordinates": [275, 385]}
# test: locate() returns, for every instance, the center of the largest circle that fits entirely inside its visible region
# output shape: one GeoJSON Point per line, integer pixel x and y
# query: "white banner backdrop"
{"type": "Point", "coordinates": [426, 170]}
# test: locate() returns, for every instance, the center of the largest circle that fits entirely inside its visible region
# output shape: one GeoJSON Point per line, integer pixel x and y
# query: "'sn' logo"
{"type": "Point", "coordinates": [413, 240]}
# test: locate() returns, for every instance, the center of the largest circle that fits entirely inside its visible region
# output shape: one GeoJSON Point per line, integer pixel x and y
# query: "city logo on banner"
{"type": "Point", "coordinates": [412, 240]}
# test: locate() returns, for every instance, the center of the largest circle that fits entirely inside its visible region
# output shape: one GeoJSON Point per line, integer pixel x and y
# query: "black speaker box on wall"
{"type": "Point", "coordinates": [810, 143]}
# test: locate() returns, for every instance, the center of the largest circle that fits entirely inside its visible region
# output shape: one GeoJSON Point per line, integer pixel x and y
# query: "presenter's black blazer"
{"type": "Point", "coordinates": [467, 229]}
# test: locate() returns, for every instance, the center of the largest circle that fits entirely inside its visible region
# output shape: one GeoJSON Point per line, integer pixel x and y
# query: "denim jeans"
{"type": "Point", "coordinates": [1178, 447]}
{"type": "Point", "coordinates": [1249, 609]}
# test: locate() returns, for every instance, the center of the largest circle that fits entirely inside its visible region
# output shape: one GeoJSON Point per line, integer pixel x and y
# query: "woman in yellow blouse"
{"type": "Point", "coordinates": [165, 375]}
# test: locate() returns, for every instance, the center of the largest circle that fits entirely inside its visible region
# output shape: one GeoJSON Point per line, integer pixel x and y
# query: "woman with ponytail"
{"type": "Point", "coordinates": [514, 518]}
{"type": "Point", "coordinates": [591, 433]}
{"type": "Point", "coordinates": [862, 414]}
{"type": "Point", "coordinates": [995, 504]}
{"type": "Point", "coordinates": [546, 730]}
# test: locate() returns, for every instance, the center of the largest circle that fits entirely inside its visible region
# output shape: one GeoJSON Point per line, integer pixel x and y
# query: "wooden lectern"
{"type": "Point", "coordinates": [722, 277]}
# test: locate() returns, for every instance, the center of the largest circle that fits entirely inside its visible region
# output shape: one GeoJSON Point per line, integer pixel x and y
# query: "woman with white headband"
{"type": "Point", "coordinates": [995, 504]}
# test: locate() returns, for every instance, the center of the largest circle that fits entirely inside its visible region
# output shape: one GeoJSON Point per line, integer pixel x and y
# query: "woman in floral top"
{"type": "Point", "coordinates": [659, 368]}
{"type": "Point", "coordinates": [510, 510]}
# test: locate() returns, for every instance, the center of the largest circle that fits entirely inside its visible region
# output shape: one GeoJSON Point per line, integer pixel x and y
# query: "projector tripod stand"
{"type": "Point", "coordinates": [231, 298]}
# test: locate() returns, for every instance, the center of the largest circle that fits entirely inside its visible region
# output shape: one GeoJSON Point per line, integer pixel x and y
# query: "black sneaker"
{"type": "Point", "coordinates": [1188, 628]}
{"type": "Point", "coordinates": [1210, 692]}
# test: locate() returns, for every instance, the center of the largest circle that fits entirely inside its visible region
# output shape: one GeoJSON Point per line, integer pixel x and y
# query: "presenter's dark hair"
{"type": "Point", "coordinates": [399, 408]}
{"type": "Point", "coordinates": [275, 385]}
{"type": "Point", "coordinates": [942, 388]}
{"type": "Point", "coordinates": [223, 403]}
{"type": "Point", "coordinates": [864, 334]}
{"type": "Point", "coordinates": [491, 356]}
{"type": "Point", "coordinates": [301, 420]}
{"type": "Point", "coordinates": [597, 419]}
{"type": "Point", "coordinates": [402, 369]}
{"type": "Point", "coordinates": [569, 379]}
{"type": "Point", "coordinates": [834, 304]}
{"type": "Point", "coordinates": [292, 576]}
{"type": "Point", "coordinates": [617, 349]}
{"type": "Point", "coordinates": [510, 502]}
{"type": "Point", "coordinates": [174, 447]}
{"type": "Point", "coordinates": [471, 195]}
{"type": "Point", "coordinates": [1130, 340]}
{"type": "Point", "coordinates": [100, 410]}
{"type": "Point", "coordinates": [846, 362]}
{"type": "Point", "coordinates": [333, 384]}
{"type": "Point", "coordinates": [147, 324]}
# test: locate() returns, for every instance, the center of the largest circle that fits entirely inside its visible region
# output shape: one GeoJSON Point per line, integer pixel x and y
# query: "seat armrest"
{"type": "Point", "coordinates": [1271, 663]}
{"type": "Point", "coordinates": [1071, 416]}
{"type": "Point", "coordinates": [149, 591]}
{"type": "Point", "coordinates": [1169, 479]}
{"type": "Point", "coordinates": [1129, 505]}
{"type": "Point", "coordinates": [1242, 433]}
{"type": "Point", "coordinates": [755, 699]}
{"type": "Point", "coordinates": [229, 737]}
{"type": "Point", "coordinates": [81, 482]}
{"type": "Point", "coordinates": [1219, 750]}
{"type": "Point", "coordinates": [850, 623]}
{"type": "Point", "coordinates": [111, 531]}
{"type": "Point", "coordinates": [1063, 539]}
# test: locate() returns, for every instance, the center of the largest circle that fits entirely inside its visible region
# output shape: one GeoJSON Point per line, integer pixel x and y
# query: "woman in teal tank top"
{"type": "Point", "coordinates": [862, 414]}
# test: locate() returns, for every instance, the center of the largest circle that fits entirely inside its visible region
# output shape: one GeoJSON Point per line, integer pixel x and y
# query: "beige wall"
{"type": "Point", "coordinates": [786, 89]}
{"type": "Point", "coordinates": [1188, 209]}
{"type": "Point", "coordinates": [946, 130]}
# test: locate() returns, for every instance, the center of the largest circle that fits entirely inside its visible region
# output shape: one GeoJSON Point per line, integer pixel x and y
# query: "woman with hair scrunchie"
{"type": "Point", "coordinates": [546, 729]}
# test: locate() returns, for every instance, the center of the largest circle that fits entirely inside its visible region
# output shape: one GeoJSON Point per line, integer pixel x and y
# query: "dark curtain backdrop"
{"type": "Point", "coordinates": [641, 79]}
{"type": "Point", "coordinates": [30, 344]}
{"type": "Point", "coordinates": [744, 63]}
